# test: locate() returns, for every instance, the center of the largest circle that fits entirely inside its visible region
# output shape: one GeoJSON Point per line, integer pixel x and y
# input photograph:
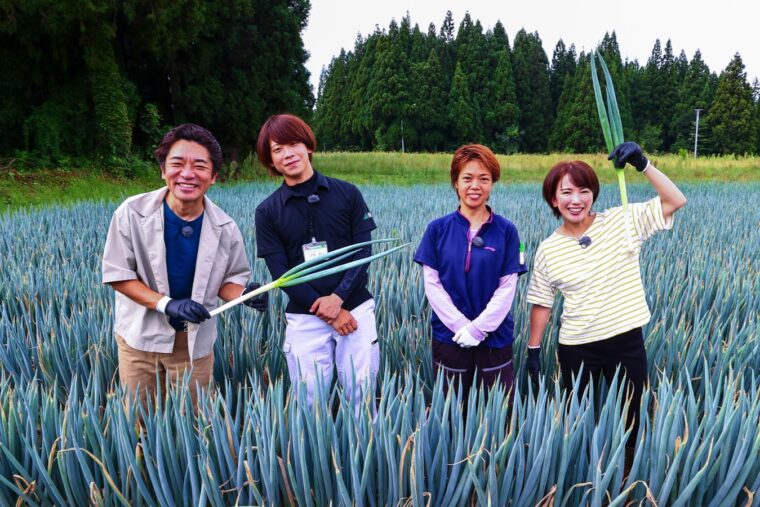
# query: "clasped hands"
{"type": "Point", "coordinates": [330, 310]}
{"type": "Point", "coordinates": [465, 339]}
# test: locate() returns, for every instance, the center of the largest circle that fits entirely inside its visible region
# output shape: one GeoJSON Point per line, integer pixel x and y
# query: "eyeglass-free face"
{"type": "Point", "coordinates": [188, 172]}
{"type": "Point", "coordinates": [292, 161]}
{"type": "Point", "coordinates": [474, 185]}
{"type": "Point", "coordinates": [573, 202]}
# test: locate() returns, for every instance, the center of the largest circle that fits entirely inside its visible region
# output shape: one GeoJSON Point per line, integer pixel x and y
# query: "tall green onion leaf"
{"type": "Point", "coordinates": [600, 109]}
{"type": "Point", "coordinates": [616, 125]}
{"type": "Point", "coordinates": [609, 117]}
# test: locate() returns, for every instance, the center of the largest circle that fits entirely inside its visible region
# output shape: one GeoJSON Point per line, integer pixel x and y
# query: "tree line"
{"type": "Point", "coordinates": [438, 89]}
{"type": "Point", "coordinates": [104, 80]}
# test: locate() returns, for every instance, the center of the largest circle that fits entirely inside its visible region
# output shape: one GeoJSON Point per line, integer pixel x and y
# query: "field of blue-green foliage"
{"type": "Point", "coordinates": [68, 438]}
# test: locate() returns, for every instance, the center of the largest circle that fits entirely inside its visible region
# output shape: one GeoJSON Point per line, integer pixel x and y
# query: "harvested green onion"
{"type": "Point", "coordinates": [609, 117]}
{"type": "Point", "coordinates": [313, 269]}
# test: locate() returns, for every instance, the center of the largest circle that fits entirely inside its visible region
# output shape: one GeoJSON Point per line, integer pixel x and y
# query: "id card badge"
{"type": "Point", "coordinates": [314, 249]}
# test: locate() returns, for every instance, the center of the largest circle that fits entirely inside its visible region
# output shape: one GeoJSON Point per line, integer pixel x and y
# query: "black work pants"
{"type": "Point", "coordinates": [602, 358]}
{"type": "Point", "coordinates": [461, 364]}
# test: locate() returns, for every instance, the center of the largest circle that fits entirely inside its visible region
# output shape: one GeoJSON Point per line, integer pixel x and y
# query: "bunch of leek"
{"type": "Point", "coordinates": [313, 269]}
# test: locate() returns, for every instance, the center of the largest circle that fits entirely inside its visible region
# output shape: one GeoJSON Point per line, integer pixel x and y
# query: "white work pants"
{"type": "Point", "coordinates": [312, 347]}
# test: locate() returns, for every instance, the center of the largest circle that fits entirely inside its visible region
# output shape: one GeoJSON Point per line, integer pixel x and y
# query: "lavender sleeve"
{"type": "Point", "coordinates": [497, 308]}
{"type": "Point", "coordinates": [441, 302]}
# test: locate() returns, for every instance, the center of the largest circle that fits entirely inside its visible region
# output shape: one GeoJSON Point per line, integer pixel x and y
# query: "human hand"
{"type": "Point", "coordinates": [464, 338]}
{"type": "Point", "coordinates": [631, 153]}
{"type": "Point", "coordinates": [187, 310]}
{"type": "Point", "coordinates": [533, 365]}
{"type": "Point", "coordinates": [345, 323]}
{"type": "Point", "coordinates": [258, 302]}
{"type": "Point", "coordinates": [327, 307]}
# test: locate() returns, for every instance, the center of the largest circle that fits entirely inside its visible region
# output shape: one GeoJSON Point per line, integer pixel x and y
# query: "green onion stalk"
{"type": "Point", "coordinates": [612, 127]}
{"type": "Point", "coordinates": [609, 117]}
{"type": "Point", "coordinates": [315, 268]}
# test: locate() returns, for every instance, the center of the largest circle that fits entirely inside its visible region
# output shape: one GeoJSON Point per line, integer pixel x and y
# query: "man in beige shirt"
{"type": "Point", "coordinates": [169, 255]}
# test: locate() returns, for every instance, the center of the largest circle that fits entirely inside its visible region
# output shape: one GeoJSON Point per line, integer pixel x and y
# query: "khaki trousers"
{"type": "Point", "coordinates": [144, 370]}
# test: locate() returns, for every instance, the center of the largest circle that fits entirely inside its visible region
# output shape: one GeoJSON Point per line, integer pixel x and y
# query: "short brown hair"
{"type": "Point", "coordinates": [282, 129]}
{"type": "Point", "coordinates": [196, 134]}
{"type": "Point", "coordinates": [470, 152]}
{"type": "Point", "coordinates": [581, 174]}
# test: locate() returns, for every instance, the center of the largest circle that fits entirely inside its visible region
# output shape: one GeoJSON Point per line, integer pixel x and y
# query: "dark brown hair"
{"type": "Point", "coordinates": [196, 134]}
{"type": "Point", "coordinates": [282, 129]}
{"type": "Point", "coordinates": [470, 152]}
{"type": "Point", "coordinates": [581, 174]}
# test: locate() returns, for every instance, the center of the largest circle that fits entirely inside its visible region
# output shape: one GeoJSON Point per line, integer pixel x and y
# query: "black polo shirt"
{"type": "Point", "coordinates": [340, 218]}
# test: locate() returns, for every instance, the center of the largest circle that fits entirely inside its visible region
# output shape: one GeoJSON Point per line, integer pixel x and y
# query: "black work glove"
{"type": "Point", "coordinates": [259, 302]}
{"type": "Point", "coordinates": [534, 366]}
{"type": "Point", "coordinates": [629, 152]}
{"type": "Point", "coordinates": [187, 309]}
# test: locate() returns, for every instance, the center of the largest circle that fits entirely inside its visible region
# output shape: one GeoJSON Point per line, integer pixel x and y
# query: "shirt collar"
{"type": "Point", "coordinates": [152, 202]}
{"type": "Point", "coordinates": [463, 220]}
{"type": "Point", "coordinates": [287, 192]}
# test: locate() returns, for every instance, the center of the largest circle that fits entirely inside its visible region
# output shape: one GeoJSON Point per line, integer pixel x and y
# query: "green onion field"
{"type": "Point", "coordinates": [67, 437]}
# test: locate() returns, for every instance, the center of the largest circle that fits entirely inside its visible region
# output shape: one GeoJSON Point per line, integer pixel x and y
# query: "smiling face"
{"type": "Point", "coordinates": [474, 185]}
{"type": "Point", "coordinates": [573, 202]}
{"type": "Point", "coordinates": [188, 172]}
{"type": "Point", "coordinates": [292, 161]}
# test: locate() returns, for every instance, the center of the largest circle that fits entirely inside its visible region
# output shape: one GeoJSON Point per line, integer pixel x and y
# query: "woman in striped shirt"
{"type": "Point", "coordinates": [592, 259]}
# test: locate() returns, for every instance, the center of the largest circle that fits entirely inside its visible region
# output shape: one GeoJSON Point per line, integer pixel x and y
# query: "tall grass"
{"type": "Point", "coordinates": [52, 188]}
{"type": "Point", "coordinates": [393, 168]}
{"type": "Point", "coordinates": [67, 438]}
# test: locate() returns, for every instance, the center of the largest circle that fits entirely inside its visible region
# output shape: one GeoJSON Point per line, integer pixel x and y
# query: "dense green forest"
{"type": "Point", "coordinates": [103, 80]}
{"type": "Point", "coordinates": [100, 81]}
{"type": "Point", "coordinates": [440, 88]}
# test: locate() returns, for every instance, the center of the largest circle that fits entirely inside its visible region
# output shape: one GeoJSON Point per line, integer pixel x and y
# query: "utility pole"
{"type": "Point", "coordinates": [696, 133]}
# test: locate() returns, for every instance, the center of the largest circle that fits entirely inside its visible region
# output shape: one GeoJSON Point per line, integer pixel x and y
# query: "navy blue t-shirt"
{"type": "Point", "coordinates": [181, 254]}
{"type": "Point", "coordinates": [444, 248]}
{"type": "Point", "coordinates": [285, 221]}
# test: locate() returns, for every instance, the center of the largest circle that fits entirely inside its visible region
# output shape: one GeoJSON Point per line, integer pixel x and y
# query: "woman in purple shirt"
{"type": "Point", "coordinates": [471, 261]}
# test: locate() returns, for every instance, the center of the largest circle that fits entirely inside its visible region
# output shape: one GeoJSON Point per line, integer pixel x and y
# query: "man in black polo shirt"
{"type": "Point", "coordinates": [330, 320]}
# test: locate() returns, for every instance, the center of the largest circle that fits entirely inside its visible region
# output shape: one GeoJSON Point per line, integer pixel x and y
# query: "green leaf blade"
{"type": "Point", "coordinates": [342, 267]}
{"type": "Point", "coordinates": [600, 108]}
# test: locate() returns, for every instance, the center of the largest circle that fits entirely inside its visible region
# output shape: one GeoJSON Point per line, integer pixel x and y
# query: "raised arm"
{"type": "Point", "coordinates": [671, 197]}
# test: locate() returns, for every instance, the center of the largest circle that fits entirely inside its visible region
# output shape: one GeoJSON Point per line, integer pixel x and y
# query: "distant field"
{"type": "Point", "coordinates": [54, 186]}
{"type": "Point", "coordinates": [421, 168]}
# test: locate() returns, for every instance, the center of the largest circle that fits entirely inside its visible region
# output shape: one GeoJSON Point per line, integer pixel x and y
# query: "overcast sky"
{"type": "Point", "coordinates": [717, 28]}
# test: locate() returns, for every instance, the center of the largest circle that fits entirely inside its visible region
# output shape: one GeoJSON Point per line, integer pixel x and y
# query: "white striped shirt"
{"type": "Point", "coordinates": [601, 283]}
